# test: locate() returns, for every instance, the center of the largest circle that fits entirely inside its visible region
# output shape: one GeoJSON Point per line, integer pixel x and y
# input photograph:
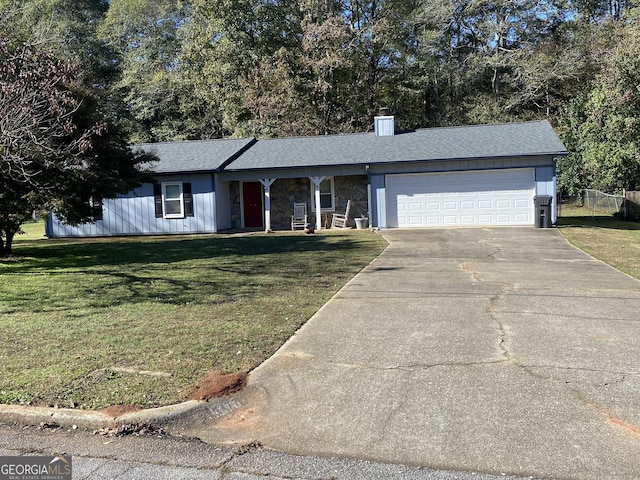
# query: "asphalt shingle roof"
{"type": "Point", "coordinates": [450, 143]}
{"type": "Point", "coordinates": [194, 156]}
{"type": "Point", "coordinates": [482, 141]}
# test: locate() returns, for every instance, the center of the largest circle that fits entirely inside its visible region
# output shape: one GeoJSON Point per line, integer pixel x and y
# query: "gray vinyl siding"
{"type": "Point", "coordinates": [378, 212]}
{"type": "Point", "coordinates": [134, 213]}
{"type": "Point", "coordinates": [546, 185]}
{"type": "Point", "coordinates": [222, 201]}
{"type": "Point", "coordinates": [460, 165]}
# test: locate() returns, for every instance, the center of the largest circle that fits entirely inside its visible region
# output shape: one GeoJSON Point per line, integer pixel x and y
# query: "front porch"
{"type": "Point", "coordinates": [267, 204]}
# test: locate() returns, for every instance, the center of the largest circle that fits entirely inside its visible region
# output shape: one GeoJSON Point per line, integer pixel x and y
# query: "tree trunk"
{"type": "Point", "coordinates": [6, 244]}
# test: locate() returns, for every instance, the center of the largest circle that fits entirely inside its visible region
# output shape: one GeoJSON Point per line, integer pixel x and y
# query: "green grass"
{"type": "Point", "coordinates": [614, 241]}
{"type": "Point", "coordinates": [74, 312]}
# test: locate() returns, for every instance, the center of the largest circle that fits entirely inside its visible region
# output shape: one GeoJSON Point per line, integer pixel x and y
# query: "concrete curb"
{"type": "Point", "coordinates": [89, 419]}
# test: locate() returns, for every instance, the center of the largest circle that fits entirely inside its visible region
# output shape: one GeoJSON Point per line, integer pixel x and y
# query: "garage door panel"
{"type": "Point", "coordinates": [491, 197]}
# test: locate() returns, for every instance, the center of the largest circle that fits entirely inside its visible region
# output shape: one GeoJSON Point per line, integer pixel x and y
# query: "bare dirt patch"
{"type": "Point", "coordinates": [217, 384]}
{"type": "Point", "coordinates": [116, 410]}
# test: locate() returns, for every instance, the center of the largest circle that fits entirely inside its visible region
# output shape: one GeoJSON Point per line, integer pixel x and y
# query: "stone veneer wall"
{"type": "Point", "coordinates": [287, 191]}
{"type": "Point", "coordinates": [234, 203]}
{"type": "Point", "coordinates": [284, 193]}
{"type": "Point", "coordinates": [354, 189]}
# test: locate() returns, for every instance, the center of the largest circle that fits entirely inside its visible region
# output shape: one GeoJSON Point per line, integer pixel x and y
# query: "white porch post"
{"type": "Point", "coordinates": [266, 183]}
{"type": "Point", "coordinates": [316, 182]}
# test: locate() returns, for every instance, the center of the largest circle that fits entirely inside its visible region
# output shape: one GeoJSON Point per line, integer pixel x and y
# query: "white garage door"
{"type": "Point", "coordinates": [490, 197]}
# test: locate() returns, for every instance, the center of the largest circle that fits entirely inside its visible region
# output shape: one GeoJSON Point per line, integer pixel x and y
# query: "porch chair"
{"type": "Point", "coordinates": [299, 217]}
{"type": "Point", "coordinates": [339, 220]}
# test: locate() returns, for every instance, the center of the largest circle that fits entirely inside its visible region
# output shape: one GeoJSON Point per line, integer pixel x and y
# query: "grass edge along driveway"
{"type": "Point", "coordinates": [614, 241]}
{"type": "Point", "coordinates": [97, 322]}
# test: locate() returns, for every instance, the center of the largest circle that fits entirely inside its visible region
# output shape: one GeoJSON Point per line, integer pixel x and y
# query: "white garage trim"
{"type": "Point", "coordinates": [474, 198]}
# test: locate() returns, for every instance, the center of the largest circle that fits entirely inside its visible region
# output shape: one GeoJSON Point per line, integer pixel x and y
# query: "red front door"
{"type": "Point", "coordinates": [252, 204]}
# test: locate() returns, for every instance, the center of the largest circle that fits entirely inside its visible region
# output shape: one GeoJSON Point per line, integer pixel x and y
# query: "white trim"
{"type": "Point", "coordinates": [266, 183]}
{"type": "Point", "coordinates": [180, 199]}
{"type": "Point", "coordinates": [333, 195]}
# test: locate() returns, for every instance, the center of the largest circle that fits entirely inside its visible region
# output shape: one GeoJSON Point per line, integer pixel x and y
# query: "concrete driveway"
{"type": "Point", "coordinates": [498, 350]}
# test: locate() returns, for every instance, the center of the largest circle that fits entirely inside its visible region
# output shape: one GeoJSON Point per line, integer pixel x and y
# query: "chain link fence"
{"type": "Point", "coordinates": [599, 202]}
{"type": "Point", "coordinates": [594, 202]}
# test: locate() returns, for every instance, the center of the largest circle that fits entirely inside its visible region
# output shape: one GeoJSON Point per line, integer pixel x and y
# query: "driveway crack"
{"type": "Point", "coordinates": [426, 366]}
{"type": "Point", "coordinates": [415, 366]}
{"type": "Point", "coordinates": [500, 327]}
{"type": "Point", "coordinates": [496, 248]}
{"type": "Point", "coordinates": [404, 397]}
{"type": "Point", "coordinates": [622, 379]}
{"type": "Point", "coordinates": [475, 276]}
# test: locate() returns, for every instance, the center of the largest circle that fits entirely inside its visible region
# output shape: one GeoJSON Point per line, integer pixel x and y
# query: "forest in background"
{"type": "Point", "coordinates": [165, 70]}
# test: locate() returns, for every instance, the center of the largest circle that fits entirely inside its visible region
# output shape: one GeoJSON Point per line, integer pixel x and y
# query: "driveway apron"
{"type": "Point", "coordinates": [500, 350]}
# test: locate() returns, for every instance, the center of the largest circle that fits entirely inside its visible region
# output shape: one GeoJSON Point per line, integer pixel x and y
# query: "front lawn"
{"type": "Point", "coordinates": [609, 239]}
{"type": "Point", "coordinates": [98, 322]}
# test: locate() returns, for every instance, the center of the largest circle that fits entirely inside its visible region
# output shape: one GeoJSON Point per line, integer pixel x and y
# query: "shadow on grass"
{"type": "Point", "coordinates": [605, 221]}
{"type": "Point", "coordinates": [80, 254]}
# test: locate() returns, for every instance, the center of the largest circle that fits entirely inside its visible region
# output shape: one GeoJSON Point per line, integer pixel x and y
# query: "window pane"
{"type": "Point", "coordinates": [172, 207]}
{"type": "Point", "coordinates": [172, 200]}
{"type": "Point", "coordinates": [327, 201]}
{"type": "Point", "coordinates": [172, 191]}
{"type": "Point", "coordinates": [325, 187]}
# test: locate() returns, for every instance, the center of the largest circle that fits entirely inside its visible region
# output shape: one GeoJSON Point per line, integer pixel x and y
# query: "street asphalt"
{"type": "Point", "coordinates": [155, 456]}
{"type": "Point", "coordinates": [495, 350]}
{"type": "Point", "coordinates": [456, 354]}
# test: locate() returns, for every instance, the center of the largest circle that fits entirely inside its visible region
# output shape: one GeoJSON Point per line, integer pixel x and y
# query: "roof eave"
{"type": "Point", "coordinates": [389, 162]}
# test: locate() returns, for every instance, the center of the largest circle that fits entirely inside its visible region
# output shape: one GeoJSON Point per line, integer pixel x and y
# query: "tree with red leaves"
{"type": "Point", "coordinates": [56, 150]}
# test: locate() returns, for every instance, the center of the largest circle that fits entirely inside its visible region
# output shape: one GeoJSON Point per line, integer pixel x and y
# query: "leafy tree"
{"type": "Point", "coordinates": [68, 28]}
{"type": "Point", "coordinates": [326, 62]}
{"type": "Point", "coordinates": [488, 61]}
{"type": "Point", "coordinates": [188, 69]}
{"type": "Point", "coordinates": [56, 150]}
{"type": "Point", "coordinates": [146, 37]}
{"type": "Point", "coordinates": [228, 45]}
{"type": "Point", "coordinates": [602, 125]}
